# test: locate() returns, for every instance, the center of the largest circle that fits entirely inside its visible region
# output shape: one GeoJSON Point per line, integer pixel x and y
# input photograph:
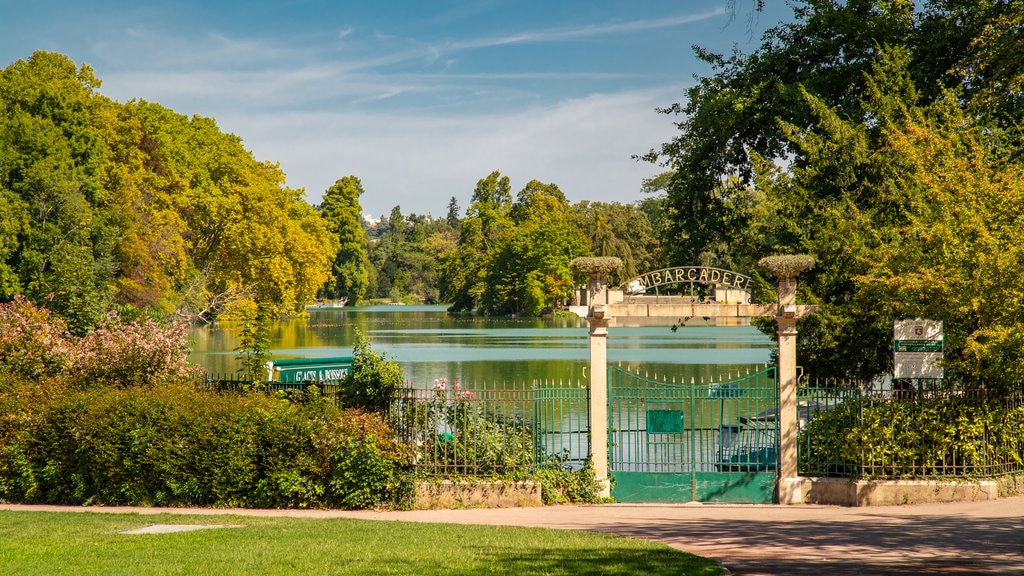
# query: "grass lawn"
{"type": "Point", "coordinates": [91, 543]}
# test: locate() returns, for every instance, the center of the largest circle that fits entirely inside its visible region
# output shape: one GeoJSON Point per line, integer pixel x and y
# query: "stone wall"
{"type": "Point", "coordinates": [446, 494]}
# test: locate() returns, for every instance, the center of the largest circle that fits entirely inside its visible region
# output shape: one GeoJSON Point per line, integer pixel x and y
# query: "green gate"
{"type": "Point", "coordinates": [672, 442]}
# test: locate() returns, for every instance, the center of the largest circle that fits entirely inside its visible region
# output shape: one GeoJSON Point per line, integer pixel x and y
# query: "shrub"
{"type": "Point", "coordinates": [561, 484]}
{"type": "Point", "coordinates": [176, 445]}
{"type": "Point", "coordinates": [946, 437]}
{"type": "Point", "coordinates": [374, 380]}
{"type": "Point", "coordinates": [33, 342]}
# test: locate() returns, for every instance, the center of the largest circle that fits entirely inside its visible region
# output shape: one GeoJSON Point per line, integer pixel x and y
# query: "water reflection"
{"type": "Point", "coordinates": [429, 343]}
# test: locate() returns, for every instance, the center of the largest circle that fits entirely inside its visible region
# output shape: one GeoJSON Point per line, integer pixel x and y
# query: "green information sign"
{"type": "Point", "coordinates": [310, 369]}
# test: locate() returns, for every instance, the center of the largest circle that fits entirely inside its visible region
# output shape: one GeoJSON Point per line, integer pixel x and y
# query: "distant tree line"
{"type": "Point", "coordinates": [506, 255]}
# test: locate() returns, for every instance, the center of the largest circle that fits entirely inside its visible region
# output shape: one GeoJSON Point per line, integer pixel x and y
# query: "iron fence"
{"type": "Point", "coordinates": [495, 429]}
{"type": "Point", "coordinates": [237, 383]}
{"type": "Point", "coordinates": [910, 430]}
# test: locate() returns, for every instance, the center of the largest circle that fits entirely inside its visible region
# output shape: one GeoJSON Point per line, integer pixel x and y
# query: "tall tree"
{"type": "Point", "coordinates": [340, 207]}
{"type": "Point", "coordinates": [463, 276]}
{"type": "Point", "coordinates": [732, 115]}
{"type": "Point", "coordinates": [135, 207]}
{"type": "Point", "coordinates": [620, 230]}
{"type": "Point", "coordinates": [528, 269]}
{"type": "Point", "coordinates": [788, 149]}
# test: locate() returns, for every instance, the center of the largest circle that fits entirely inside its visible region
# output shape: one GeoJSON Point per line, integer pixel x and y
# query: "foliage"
{"type": "Point", "coordinates": [33, 342]}
{"type": "Point", "coordinates": [595, 265]}
{"type": "Point", "coordinates": [36, 345]}
{"type": "Point", "coordinates": [133, 207]}
{"type": "Point", "coordinates": [731, 117]}
{"type": "Point", "coordinates": [407, 256]}
{"type": "Point", "coordinates": [786, 266]}
{"type": "Point", "coordinates": [902, 439]}
{"type": "Point", "coordinates": [512, 258]}
{"type": "Point", "coordinates": [620, 230]}
{"type": "Point", "coordinates": [176, 445]}
{"type": "Point", "coordinates": [374, 379]}
{"type": "Point", "coordinates": [562, 484]}
{"type": "Point", "coordinates": [857, 135]}
{"type": "Point", "coordinates": [254, 345]}
{"type": "Point", "coordinates": [454, 433]}
{"type": "Point", "coordinates": [340, 207]}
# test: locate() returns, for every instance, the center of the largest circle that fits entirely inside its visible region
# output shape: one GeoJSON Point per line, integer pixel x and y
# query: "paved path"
{"type": "Point", "coordinates": [967, 538]}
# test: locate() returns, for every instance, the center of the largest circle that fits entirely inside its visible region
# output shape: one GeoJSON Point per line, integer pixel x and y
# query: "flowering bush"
{"type": "Point", "coordinates": [35, 344]}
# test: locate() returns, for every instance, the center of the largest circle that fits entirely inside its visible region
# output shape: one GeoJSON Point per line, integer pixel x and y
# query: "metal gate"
{"type": "Point", "coordinates": [676, 442]}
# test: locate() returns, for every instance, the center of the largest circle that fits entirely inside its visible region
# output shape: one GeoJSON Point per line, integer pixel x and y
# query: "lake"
{"type": "Point", "coordinates": [429, 343]}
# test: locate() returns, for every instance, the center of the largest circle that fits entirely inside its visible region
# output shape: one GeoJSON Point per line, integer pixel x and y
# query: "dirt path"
{"type": "Point", "coordinates": [967, 538]}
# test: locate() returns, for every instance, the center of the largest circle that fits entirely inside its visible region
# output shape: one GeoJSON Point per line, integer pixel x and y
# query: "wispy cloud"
{"type": "Point", "coordinates": [563, 34]}
{"type": "Point", "coordinates": [582, 144]}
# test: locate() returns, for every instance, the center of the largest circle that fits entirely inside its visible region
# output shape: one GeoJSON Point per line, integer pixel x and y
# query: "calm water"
{"type": "Point", "coordinates": [429, 343]}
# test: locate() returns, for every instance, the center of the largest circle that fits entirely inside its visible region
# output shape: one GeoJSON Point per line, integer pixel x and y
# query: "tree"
{"type": "Point", "coordinates": [340, 207]}
{"type": "Point", "coordinates": [790, 149]}
{"type": "Point", "coordinates": [733, 115]}
{"type": "Point", "coordinates": [912, 214]}
{"type": "Point", "coordinates": [462, 279]}
{"type": "Point", "coordinates": [453, 218]}
{"type": "Point", "coordinates": [958, 256]}
{"type": "Point", "coordinates": [620, 230]}
{"type": "Point", "coordinates": [528, 269]}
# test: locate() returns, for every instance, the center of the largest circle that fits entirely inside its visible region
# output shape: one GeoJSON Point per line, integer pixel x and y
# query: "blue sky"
{"type": "Point", "coordinates": [419, 99]}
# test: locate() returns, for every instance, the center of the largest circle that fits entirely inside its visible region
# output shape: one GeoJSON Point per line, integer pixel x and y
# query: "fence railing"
{"type": "Point", "coordinates": [237, 383]}
{"type": "Point", "coordinates": [923, 430]}
{"type": "Point", "coordinates": [495, 429]}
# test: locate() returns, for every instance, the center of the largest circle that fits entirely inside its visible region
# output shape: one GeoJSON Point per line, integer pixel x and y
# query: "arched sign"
{"type": "Point", "coordinates": [688, 275]}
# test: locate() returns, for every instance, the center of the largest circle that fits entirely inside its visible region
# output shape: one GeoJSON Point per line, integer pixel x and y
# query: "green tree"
{"type": "Point", "coordinates": [528, 269]}
{"type": "Point", "coordinates": [733, 115]}
{"type": "Point", "coordinates": [340, 207]}
{"type": "Point", "coordinates": [254, 344]}
{"type": "Point", "coordinates": [374, 380]}
{"type": "Point", "coordinates": [911, 214]}
{"type": "Point", "coordinates": [789, 149]}
{"type": "Point", "coordinates": [463, 272]}
{"type": "Point", "coordinates": [134, 207]}
{"type": "Point", "coordinates": [620, 230]}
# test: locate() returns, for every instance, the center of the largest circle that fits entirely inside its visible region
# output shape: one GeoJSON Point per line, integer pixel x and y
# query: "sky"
{"type": "Point", "coordinates": [418, 99]}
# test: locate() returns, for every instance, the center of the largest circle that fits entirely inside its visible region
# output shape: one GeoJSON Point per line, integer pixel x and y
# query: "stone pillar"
{"type": "Point", "coordinates": [599, 396]}
{"type": "Point", "coordinates": [789, 485]}
{"type": "Point", "coordinates": [597, 270]}
{"type": "Point", "coordinates": [786, 269]}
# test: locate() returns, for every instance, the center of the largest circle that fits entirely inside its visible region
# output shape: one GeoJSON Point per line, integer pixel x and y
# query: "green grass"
{"type": "Point", "coordinates": [90, 543]}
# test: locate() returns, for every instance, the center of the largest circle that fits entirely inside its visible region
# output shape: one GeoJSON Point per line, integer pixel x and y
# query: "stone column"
{"type": "Point", "coordinates": [597, 269]}
{"type": "Point", "coordinates": [599, 395]}
{"type": "Point", "coordinates": [786, 269]}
